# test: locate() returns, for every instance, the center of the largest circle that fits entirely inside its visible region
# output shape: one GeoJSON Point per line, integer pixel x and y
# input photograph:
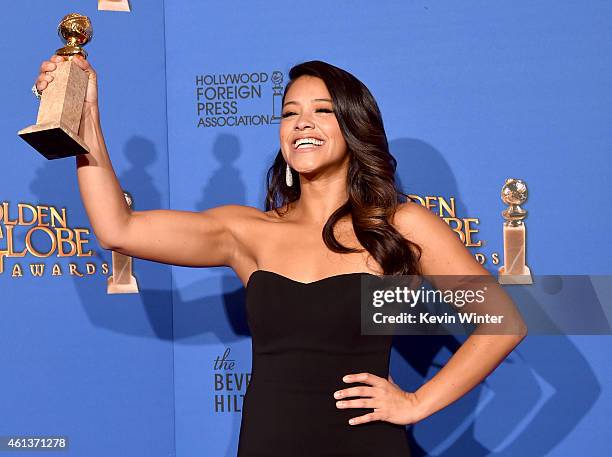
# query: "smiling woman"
{"type": "Point", "coordinates": [334, 174]}
{"type": "Point", "coordinates": [331, 191]}
{"type": "Point", "coordinates": [333, 215]}
{"type": "Point", "coordinates": [332, 128]}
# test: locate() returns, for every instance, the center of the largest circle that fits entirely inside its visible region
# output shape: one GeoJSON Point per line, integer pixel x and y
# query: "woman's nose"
{"type": "Point", "coordinates": [304, 121]}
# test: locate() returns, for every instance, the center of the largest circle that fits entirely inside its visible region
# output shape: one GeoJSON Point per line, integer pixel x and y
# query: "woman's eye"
{"type": "Point", "coordinates": [322, 110]}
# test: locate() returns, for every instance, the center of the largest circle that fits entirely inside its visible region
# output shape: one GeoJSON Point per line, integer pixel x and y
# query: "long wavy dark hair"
{"type": "Point", "coordinates": [373, 196]}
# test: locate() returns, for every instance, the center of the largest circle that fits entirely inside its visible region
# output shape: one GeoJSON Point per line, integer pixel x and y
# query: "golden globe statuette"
{"type": "Point", "coordinates": [122, 281]}
{"type": "Point", "coordinates": [514, 270]}
{"type": "Point", "coordinates": [55, 134]}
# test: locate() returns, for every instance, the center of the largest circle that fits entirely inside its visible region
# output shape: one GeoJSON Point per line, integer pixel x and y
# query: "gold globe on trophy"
{"type": "Point", "coordinates": [75, 31]}
{"type": "Point", "coordinates": [55, 134]}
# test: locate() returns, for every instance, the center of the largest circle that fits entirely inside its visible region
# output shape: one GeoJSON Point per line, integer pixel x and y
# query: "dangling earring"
{"type": "Point", "coordinates": [288, 176]}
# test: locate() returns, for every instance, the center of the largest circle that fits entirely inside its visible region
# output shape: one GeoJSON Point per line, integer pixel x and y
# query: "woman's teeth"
{"type": "Point", "coordinates": [305, 143]}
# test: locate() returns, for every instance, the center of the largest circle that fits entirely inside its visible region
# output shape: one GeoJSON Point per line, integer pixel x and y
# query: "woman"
{"type": "Point", "coordinates": [333, 215]}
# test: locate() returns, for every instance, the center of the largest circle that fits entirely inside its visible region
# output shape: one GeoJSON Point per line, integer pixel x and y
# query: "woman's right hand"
{"type": "Point", "coordinates": [48, 67]}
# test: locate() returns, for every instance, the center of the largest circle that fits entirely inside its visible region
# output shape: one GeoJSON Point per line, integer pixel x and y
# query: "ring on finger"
{"type": "Point", "coordinates": [36, 92]}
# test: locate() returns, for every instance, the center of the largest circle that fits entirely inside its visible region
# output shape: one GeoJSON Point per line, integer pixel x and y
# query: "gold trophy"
{"type": "Point", "coordinates": [122, 281]}
{"type": "Point", "coordinates": [55, 134]}
{"type": "Point", "coordinates": [514, 270]}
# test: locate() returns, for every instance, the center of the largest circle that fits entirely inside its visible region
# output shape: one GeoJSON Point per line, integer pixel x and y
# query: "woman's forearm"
{"type": "Point", "coordinates": [472, 362]}
{"type": "Point", "coordinates": [100, 190]}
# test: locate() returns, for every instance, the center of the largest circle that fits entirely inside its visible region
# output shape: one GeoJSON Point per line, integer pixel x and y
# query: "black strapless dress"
{"type": "Point", "coordinates": [305, 338]}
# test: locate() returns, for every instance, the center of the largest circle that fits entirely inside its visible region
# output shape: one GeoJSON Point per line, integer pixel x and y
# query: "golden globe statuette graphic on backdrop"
{"type": "Point", "coordinates": [114, 5]}
{"type": "Point", "coordinates": [277, 96]}
{"type": "Point", "coordinates": [55, 134]}
{"type": "Point", "coordinates": [514, 270]}
{"type": "Point", "coordinates": [122, 281]}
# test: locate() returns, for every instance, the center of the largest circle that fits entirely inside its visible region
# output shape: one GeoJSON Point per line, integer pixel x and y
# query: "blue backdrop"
{"type": "Point", "coordinates": [471, 94]}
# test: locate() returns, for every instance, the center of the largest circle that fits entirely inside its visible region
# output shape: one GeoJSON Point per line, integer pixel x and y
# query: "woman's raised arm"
{"type": "Point", "coordinates": [174, 237]}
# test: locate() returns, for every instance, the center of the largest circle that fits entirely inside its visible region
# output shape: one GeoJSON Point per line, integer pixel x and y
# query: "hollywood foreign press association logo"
{"type": "Point", "coordinates": [239, 99]}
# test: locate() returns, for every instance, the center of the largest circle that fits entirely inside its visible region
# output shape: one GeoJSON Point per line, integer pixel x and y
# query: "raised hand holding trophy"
{"type": "Point", "coordinates": [55, 134]}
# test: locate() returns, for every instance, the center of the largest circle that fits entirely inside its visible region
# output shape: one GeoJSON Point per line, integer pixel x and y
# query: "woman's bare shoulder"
{"type": "Point", "coordinates": [414, 219]}
{"type": "Point", "coordinates": [421, 226]}
{"type": "Point", "coordinates": [443, 251]}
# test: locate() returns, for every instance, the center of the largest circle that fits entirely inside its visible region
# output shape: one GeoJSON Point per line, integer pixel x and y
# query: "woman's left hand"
{"type": "Point", "coordinates": [390, 403]}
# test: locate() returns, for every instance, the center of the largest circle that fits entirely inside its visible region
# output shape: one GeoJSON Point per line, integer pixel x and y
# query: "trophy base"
{"type": "Point", "coordinates": [114, 5]}
{"type": "Point", "coordinates": [53, 140]}
{"type": "Point", "coordinates": [114, 288]}
{"type": "Point", "coordinates": [521, 278]}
